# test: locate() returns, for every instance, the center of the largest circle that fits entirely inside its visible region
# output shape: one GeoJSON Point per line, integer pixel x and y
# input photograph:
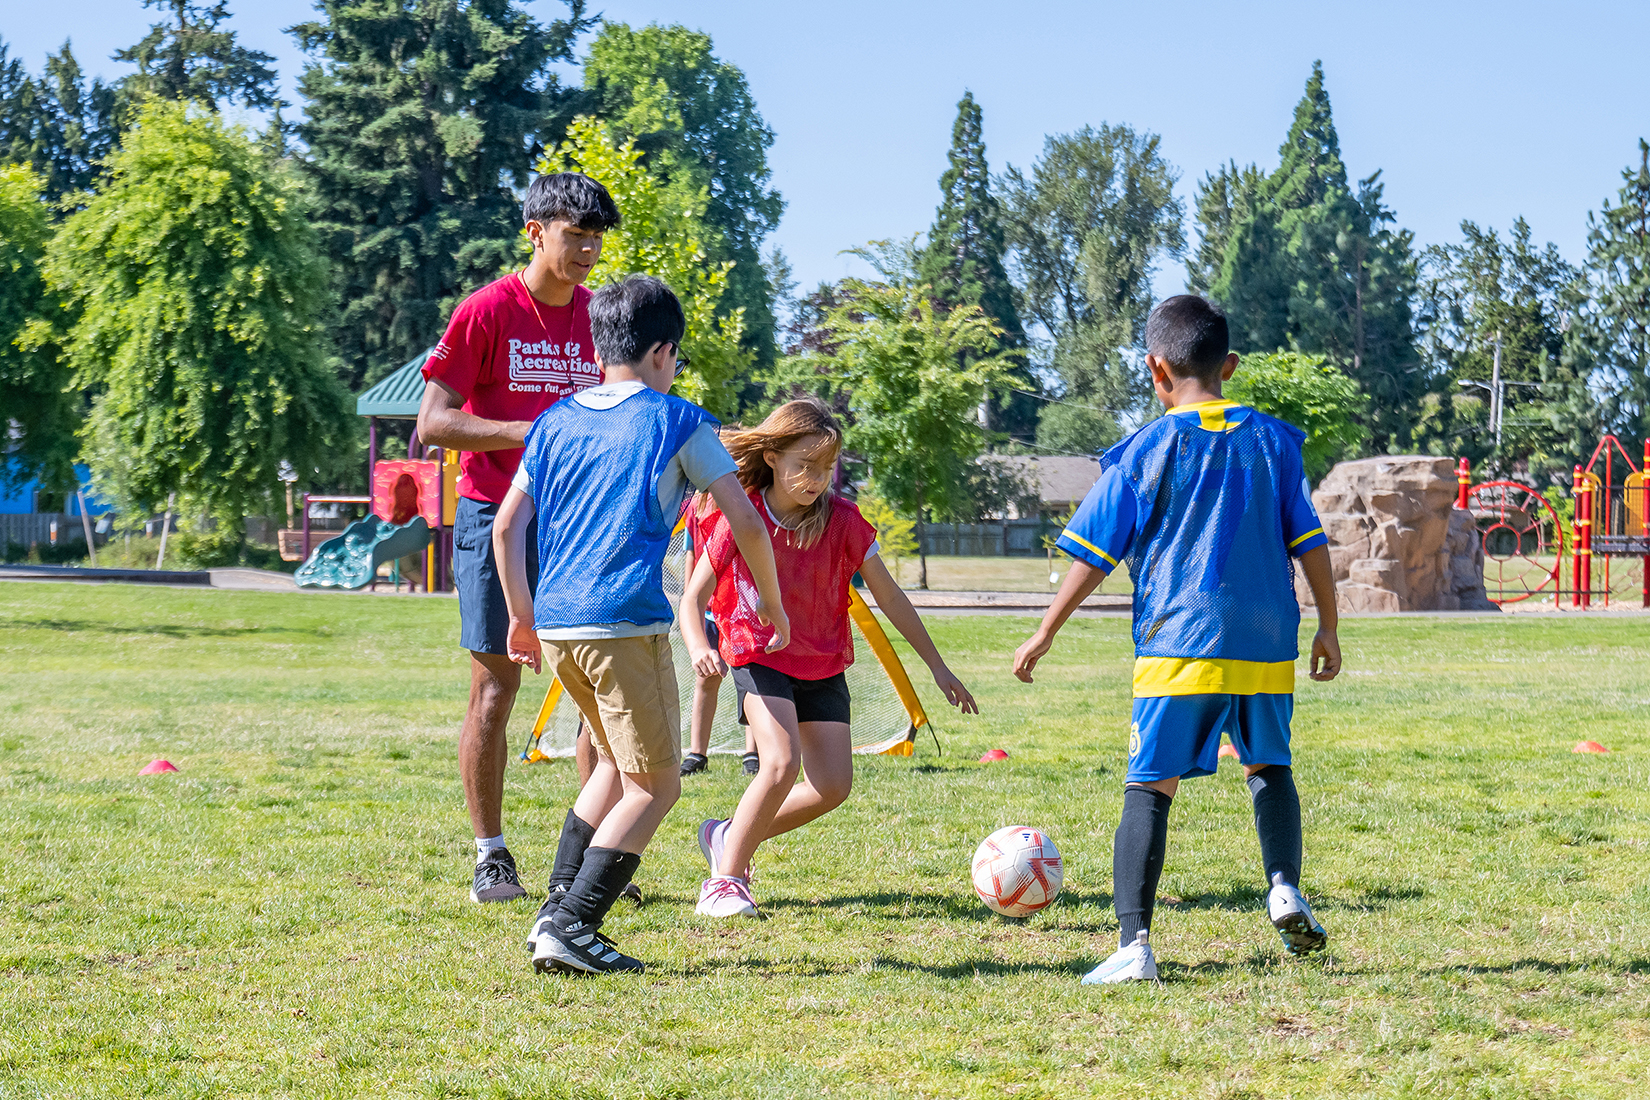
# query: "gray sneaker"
{"type": "Point", "coordinates": [1292, 917]}
{"type": "Point", "coordinates": [496, 878]}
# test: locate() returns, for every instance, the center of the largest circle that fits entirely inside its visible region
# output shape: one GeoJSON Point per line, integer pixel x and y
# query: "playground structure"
{"type": "Point", "coordinates": [1529, 553]}
{"type": "Point", "coordinates": [411, 506]}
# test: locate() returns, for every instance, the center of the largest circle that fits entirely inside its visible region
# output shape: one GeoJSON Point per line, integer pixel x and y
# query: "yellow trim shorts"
{"type": "Point", "coordinates": [626, 690]}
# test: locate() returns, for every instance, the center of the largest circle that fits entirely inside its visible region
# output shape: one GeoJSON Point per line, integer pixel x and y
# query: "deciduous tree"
{"type": "Point", "coordinates": [197, 307]}
{"type": "Point", "coordinates": [912, 407]}
{"type": "Point", "coordinates": [1085, 230]}
{"type": "Point", "coordinates": [664, 233]}
{"type": "Point", "coordinates": [1311, 394]}
{"type": "Point", "coordinates": [693, 117]}
{"type": "Point", "coordinates": [37, 412]}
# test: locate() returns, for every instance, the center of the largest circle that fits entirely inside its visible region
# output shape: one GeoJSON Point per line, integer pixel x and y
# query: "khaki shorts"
{"type": "Point", "coordinates": [626, 690]}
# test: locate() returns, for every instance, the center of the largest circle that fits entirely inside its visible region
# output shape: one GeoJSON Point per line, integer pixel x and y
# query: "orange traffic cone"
{"type": "Point", "coordinates": [155, 767]}
{"type": "Point", "coordinates": [1228, 750]}
{"type": "Point", "coordinates": [1589, 746]}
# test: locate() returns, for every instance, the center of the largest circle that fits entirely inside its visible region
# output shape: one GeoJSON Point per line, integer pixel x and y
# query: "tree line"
{"type": "Point", "coordinates": [188, 303]}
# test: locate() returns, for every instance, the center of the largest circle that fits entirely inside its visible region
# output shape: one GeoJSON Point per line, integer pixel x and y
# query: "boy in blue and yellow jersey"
{"type": "Point", "coordinates": [1208, 505]}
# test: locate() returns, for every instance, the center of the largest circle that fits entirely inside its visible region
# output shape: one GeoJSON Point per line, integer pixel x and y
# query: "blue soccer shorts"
{"type": "Point", "coordinates": [1178, 736]}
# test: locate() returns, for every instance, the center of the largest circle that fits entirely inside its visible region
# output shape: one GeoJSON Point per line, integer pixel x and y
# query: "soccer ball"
{"type": "Point", "coordinates": [1017, 871]}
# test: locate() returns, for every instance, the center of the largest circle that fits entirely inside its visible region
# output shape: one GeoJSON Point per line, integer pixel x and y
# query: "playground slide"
{"type": "Point", "coordinates": [351, 560]}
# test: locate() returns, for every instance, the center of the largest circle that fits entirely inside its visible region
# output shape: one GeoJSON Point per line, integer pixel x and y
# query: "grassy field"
{"type": "Point", "coordinates": [288, 916]}
{"type": "Point", "coordinates": [968, 574]}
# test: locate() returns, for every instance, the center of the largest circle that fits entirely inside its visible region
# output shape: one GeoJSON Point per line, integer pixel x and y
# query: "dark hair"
{"type": "Point", "coordinates": [630, 316]}
{"type": "Point", "coordinates": [571, 197]}
{"type": "Point", "coordinates": [1189, 334]}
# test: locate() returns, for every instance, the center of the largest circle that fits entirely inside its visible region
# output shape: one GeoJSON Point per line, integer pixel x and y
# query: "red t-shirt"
{"type": "Point", "coordinates": [511, 357]}
{"type": "Point", "coordinates": [812, 582]}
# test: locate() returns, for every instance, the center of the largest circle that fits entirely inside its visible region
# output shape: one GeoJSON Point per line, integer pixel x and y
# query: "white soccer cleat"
{"type": "Point", "coordinates": [725, 896]}
{"type": "Point", "coordinates": [1134, 963]}
{"type": "Point", "coordinates": [1292, 917]}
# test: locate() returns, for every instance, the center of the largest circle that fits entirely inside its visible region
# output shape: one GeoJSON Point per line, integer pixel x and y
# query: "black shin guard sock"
{"type": "Point", "coordinates": [1278, 822]}
{"type": "Point", "coordinates": [1137, 858]}
{"type": "Point", "coordinates": [601, 879]}
{"type": "Point", "coordinates": [576, 834]}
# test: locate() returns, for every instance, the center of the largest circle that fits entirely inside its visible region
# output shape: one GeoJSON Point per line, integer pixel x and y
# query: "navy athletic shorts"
{"type": "Point", "coordinates": [484, 621]}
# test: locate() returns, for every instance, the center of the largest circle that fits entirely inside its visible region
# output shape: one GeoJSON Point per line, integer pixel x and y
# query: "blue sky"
{"type": "Point", "coordinates": [1470, 110]}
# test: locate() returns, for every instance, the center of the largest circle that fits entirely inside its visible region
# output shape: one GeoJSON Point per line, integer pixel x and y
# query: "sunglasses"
{"type": "Point", "coordinates": [682, 362]}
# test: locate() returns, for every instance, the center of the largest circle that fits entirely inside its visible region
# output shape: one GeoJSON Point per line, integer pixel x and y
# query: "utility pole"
{"type": "Point", "coordinates": [1498, 392]}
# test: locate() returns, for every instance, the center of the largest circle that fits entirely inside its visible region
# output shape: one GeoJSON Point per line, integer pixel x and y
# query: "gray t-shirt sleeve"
{"type": "Point", "coordinates": [701, 461]}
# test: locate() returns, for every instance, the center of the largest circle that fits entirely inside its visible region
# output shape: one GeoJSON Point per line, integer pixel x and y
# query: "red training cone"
{"type": "Point", "coordinates": [155, 767]}
{"type": "Point", "coordinates": [1227, 750]}
{"type": "Point", "coordinates": [993, 754]}
{"type": "Point", "coordinates": [1589, 746]}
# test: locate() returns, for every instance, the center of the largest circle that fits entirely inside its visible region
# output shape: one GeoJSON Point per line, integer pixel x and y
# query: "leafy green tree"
{"type": "Point", "coordinates": [1306, 391]}
{"type": "Point", "coordinates": [912, 408]}
{"type": "Point", "coordinates": [963, 262]}
{"type": "Point", "coordinates": [1225, 199]}
{"type": "Point", "coordinates": [1610, 331]}
{"type": "Point", "coordinates": [1085, 230]}
{"type": "Point", "coordinates": [39, 413]}
{"type": "Point", "coordinates": [421, 117]}
{"type": "Point", "coordinates": [1484, 292]}
{"type": "Point", "coordinates": [693, 117]}
{"type": "Point", "coordinates": [896, 534]}
{"type": "Point", "coordinates": [57, 123]}
{"type": "Point", "coordinates": [1309, 263]}
{"type": "Point", "coordinates": [196, 298]}
{"type": "Point", "coordinates": [664, 234]}
{"type": "Point", "coordinates": [192, 58]}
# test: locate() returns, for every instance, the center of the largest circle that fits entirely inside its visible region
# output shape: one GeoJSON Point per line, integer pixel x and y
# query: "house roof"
{"type": "Point", "coordinates": [397, 396]}
{"type": "Point", "coordinates": [1060, 480]}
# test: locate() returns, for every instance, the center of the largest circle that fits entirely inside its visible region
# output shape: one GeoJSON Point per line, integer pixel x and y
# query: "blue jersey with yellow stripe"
{"type": "Point", "coordinates": [1208, 505]}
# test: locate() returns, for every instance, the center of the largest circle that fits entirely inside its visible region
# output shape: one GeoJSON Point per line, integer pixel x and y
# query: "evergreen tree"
{"type": "Point", "coordinates": [1224, 199]}
{"type": "Point", "coordinates": [1486, 291]}
{"type": "Point", "coordinates": [963, 261]}
{"type": "Point", "coordinates": [1610, 330]}
{"type": "Point", "coordinates": [1085, 230]}
{"type": "Point", "coordinates": [422, 116]}
{"type": "Point", "coordinates": [56, 124]}
{"type": "Point", "coordinates": [1310, 264]}
{"type": "Point", "coordinates": [694, 119]}
{"type": "Point", "coordinates": [196, 297]}
{"type": "Point", "coordinates": [192, 58]}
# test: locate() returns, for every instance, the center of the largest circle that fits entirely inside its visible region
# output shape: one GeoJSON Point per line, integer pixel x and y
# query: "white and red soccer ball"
{"type": "Point", "coordinates": [1017, 871]}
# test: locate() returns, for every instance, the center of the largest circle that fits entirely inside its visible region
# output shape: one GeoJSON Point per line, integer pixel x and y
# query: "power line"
{"type": "Point", "coordinates": [1058, 401]}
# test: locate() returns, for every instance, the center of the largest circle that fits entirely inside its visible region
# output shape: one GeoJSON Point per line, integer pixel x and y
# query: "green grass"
{"type": "Point", "coordinates": [976, 574]}
{"type": "Point", "coordinates": [288, 915]}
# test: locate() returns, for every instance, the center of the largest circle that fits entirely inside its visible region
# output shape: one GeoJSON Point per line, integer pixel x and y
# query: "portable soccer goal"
{"type": "Point", "coordinates": [886, 711]}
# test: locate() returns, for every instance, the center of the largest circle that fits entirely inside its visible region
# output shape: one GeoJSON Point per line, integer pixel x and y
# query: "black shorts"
{"type": "Point", "coordinates": [816, 700]}
{"type": "Point", "coordinates": [484, 621]}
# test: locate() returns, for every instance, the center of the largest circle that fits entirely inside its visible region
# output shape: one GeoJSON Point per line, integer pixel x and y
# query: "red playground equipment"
{"type": "Point", "coordinates": [1525, 541]}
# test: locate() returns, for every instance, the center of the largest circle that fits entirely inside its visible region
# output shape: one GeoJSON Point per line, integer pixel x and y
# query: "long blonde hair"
{"type": "Point", "coordinates": [780, 430]}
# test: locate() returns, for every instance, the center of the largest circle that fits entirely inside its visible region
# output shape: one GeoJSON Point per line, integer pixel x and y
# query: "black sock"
{"type": "Point", "coordinates": [1278, 822]}
{"type": "Point", "coordinates": [1137, 858]}
{"type": "Point", "coordinates": [603, 876]}
{"type": "Point", "coordinates": [576, 834]}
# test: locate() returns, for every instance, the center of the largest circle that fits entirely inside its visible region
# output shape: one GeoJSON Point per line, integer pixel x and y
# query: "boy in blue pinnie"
{"type": "Point", "coordinates": [1208, 504]}
{"type": "Point", "coordinates": [600, 484]}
